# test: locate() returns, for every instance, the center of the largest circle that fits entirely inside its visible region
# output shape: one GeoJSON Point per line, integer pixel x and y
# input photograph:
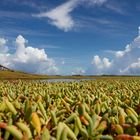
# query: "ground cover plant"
{"type": "Point", "coordinates": [86, 110]}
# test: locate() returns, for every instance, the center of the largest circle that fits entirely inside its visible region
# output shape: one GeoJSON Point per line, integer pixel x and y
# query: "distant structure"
{"type": "Point", "coordinates": [139, 31]}
{"type": "Point", "coordinates": [2, 68]}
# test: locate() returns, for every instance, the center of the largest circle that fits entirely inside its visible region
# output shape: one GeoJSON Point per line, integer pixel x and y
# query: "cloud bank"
{"type": "Point", "coordinates": [29, 59]}
{"type": "Point", "coordinates": [78, 71]}
{"type": "Point", "coordinates": [124, 62]}
{"type": "Point", "coordinates": [26, 58]}
{"type": "Point", "coordinates": [61, 17]}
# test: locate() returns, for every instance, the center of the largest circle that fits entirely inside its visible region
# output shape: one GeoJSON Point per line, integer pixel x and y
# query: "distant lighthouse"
{"type": "Point", "coordinates": [139, 31]}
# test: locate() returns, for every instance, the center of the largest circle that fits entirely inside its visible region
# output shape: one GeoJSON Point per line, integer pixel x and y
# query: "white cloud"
{"type": "Point", "coordinates": [139, 31]}
{"type": "Point", "coordinates": [122, 53]}
{"type": "Point", "coordinates": [3, 48]}
{"type": "Point", "coordinates": [96, 60]}
{"type": "Point", "coordinates": [130, 47]}
{"type": "Point", "coordinates": [116, 7]}
{"type": "Point", "coordinates": [28, 59]}
{"type": "Point", "coordinates": [63, 62]}
{"type": "Point", "coordinates": [61, 16]}
{"type": "Point", "coordinates": [94, 2]}
{"type": "Point", "coordinates": [123, 62]}
{"type": "Point", "coordinates": [106, 63]}
{"type": "Point", "coordinates": [2, 42]}
{"type": "Point", "coordinates": [100, 65]}
{"type": "Point", "coordinates": [78, 71]}
{"type": "Point", "coordinates": [133, 68]}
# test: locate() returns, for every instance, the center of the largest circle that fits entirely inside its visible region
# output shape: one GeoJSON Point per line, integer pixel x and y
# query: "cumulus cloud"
{"type": "Point", "coordinates": [122, 53]}
{"type": "Point", "coordinates": [139, 31]}
{"type": "Point", "coordinates": [78, 71]}
{"type": "Point", "coordinates": [125, 61]}
{"type": "Point", "coordinates": [3, 48]}
{"type": "Point", "coordinates": [99, 65]}
{"type": "Point", "coordinates": [28, 58]}
{"type": "Point", "coordinates": [61, 16]}
{"type": "Point", "coordinates": [133, 68]}
{"type": "Point", "coordinates": [2, 42]}
{"type": "Point", "coordinates": [130, 47]}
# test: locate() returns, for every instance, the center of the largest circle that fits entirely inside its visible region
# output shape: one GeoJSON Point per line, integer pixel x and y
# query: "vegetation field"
{"type": "Point", "coordinates": [87, 110]}
{"type": "Point", "coordinates": [14, 75]}
{"type": "Point", "coordinates": [18, 75]}
{"type": "Point", "coordinates": [22, 75]}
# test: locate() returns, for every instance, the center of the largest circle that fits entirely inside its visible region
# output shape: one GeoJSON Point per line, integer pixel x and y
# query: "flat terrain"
{"type": "Point", "coordinates": [18, 75]}
{"type": "Point", "coordinates": [21, 75]}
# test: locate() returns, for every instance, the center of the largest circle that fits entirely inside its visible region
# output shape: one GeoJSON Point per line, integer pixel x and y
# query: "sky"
{"type": "Point", "coordinates": [68, 37]}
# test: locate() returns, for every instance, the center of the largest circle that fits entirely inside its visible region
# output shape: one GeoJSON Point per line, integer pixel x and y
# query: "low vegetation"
{"type": "Point", "coordinates": [19, 75]}
{"type": "Point", "coordinates": [86, 110]}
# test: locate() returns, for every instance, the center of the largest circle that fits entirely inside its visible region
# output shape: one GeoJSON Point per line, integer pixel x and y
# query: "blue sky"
{"type": "Point", "coordinates": [70, 36]}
